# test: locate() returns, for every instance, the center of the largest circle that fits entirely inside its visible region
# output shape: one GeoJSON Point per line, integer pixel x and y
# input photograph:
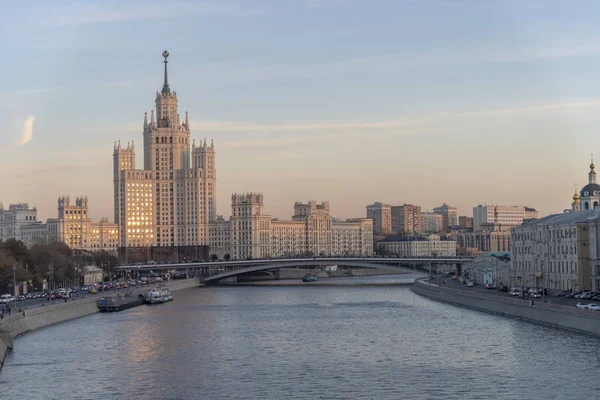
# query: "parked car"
{"type": "Point", "coordinates": [592, 306]}
{"type": "Point", "coordinates": [536, 294]}
{"type": "Point", "coordinates": [6, 298]}
{"type": "Point", "coordinates": [579, 305]}
{"type": "Point", "coordinates": [514, 292]}
{"type": "Point", "coordinates": [470, 284]}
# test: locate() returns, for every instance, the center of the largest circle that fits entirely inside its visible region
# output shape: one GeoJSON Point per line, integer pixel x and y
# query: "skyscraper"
{"type": "Point", "coordinates": [171, 200]}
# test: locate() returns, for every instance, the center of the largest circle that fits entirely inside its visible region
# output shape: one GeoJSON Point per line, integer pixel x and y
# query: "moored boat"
{"type": "Point", "coordinates": [310, 278]}
{"type": "Point", "coordinates": [154, 296]}
{"type": "Point", "coordinates": [167, 295]}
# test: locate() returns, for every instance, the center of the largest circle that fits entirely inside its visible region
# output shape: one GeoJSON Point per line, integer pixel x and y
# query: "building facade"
{"type": "Point", "coordinates": [20, 222]}
{"type": "Point", "coordinates": [555, 252]}
{"type": "Point", "coordinates": [431, 222]}
{"type": "Point", "coordinates": [75, 228]}
{"type": "Point", "coordinates": [504, 215]}
{"type": "Point", "coordinates": [171, 200]}
{"type": "Point", "coordinates": [381, 214]}
{"type": "Point", "coordinates": [449, 215]}
{"type": "Point", "coordinates": [465, 222]}
{"type": "Point", "coordinates": [489, 239]}
{"type": "Point", "coordinates": [417, 246]}
{"type": "Point", "coordinates": [589, 196]}
{"type": "Point", "coordinates": [406, 219]}
{"type": "Point", "coordinates": [250, 233]}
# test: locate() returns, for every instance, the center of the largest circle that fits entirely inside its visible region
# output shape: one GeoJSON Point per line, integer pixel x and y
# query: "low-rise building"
{"type": "Point", "coordinates": [417, 246]}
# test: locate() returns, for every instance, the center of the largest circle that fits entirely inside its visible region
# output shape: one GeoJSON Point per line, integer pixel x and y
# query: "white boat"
{"type": "Point", "coordinates": [154, 296]}
{"type": "Point", "coordinates": [166, 293]}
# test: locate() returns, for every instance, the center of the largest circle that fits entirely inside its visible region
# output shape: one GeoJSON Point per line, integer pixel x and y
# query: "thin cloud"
{"type": "Point", "coordinates": [87, 14]}
{"type": "Point", "coordinates": [26, 134]}
{"type": "Point", "coordinates": [317, 131]}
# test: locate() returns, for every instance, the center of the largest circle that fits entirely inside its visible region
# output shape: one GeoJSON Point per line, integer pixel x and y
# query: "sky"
{"type": "Point", "coordinates": [350, 101]}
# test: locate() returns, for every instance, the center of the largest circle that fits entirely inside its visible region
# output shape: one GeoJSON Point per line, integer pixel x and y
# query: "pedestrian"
{"type": "Point", "coordinates": [8, 308]}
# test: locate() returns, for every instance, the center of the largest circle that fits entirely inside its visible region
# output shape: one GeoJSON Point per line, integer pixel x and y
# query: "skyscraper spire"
{"type": "Point", "coordinates": [187, 122]}
{"type": "Point", "coordinates": [166, 89]}
{"type": "Point", "coordinates": [145, 120]}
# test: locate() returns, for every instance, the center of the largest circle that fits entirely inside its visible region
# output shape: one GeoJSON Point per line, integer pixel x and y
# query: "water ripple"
{"type": "Point", "coordinates": [302, 343]}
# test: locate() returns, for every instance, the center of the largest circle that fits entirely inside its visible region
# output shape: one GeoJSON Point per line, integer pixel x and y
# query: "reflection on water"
{"type": "Point", "coordinates": [301, 342]}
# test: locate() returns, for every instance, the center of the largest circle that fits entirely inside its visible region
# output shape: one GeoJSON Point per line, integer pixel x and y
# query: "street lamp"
{"type": "Point", "coordinates": [14, 268]}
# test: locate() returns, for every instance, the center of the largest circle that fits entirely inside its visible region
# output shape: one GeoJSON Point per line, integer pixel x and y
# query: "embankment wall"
{"type": "Point", "coordinates": [36, 318]}
{"type": "Point", "coordinates": [557, 315]}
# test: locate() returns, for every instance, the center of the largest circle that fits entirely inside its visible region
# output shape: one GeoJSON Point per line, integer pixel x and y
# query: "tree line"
{"type": "Point", "coordinates": [33, 263]}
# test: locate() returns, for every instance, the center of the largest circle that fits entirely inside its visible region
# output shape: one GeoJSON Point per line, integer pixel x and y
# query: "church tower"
{"type": "Point", "coordinates": [590, 193]}
{"type": "Point", "coordinates": [575, 206]}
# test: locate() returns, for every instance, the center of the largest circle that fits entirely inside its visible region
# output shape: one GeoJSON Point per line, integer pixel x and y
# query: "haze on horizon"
{"type": "Point", "coordinates": [355, 101]}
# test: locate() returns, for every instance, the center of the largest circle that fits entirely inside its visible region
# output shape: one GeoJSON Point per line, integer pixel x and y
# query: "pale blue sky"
{"type": "Point", "coordinates": [351, 101]}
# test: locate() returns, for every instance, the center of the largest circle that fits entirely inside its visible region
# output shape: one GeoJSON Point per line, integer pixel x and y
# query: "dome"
{"type": "Point", "coordinates": [590, 188]}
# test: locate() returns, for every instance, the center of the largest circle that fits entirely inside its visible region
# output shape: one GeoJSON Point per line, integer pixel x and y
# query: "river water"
{"type": "Point", "coordinates": [343, 342]}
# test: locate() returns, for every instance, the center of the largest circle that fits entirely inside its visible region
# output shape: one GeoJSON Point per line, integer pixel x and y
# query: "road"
{"type": "Point", "coordinates": [481, 289]}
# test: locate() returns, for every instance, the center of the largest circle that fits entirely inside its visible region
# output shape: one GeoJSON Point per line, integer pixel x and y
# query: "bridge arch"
{"type": "Point", "coordinates": [214, 279]}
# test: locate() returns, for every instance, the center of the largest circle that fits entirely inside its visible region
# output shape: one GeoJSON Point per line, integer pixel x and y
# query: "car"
{"type": "Point", "coordinates": [514, 293]}
{"type": "Point", "coordinates": [579, 305]}
{"type": "Point", "coordinates": [592, 306]}
{"type": "Point", "coordinates": [470, 284]}
{"type": "Point", "coordinates": [536, 295]}
{"type": "Point", "coordinates": [6, 298]}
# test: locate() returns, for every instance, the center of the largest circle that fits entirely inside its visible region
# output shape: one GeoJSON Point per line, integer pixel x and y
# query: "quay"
{"type": "Point", "coordinates": [23, 321]}
{"type": "Point", "coordinates": [534, 310]}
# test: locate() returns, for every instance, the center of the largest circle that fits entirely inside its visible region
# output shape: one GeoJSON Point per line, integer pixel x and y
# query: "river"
{"type": "Point", "coordinates": [342, 342]}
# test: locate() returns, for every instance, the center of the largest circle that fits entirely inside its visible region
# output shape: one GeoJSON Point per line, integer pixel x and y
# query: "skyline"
{"type": "Point", "coordinates": [345, 118]}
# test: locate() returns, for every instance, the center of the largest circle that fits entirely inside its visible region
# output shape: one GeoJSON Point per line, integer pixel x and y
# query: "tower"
{"type": "Point", "coordinates": [575, 205]}
{"type": "Point", "coordinates": [590, 193]}
{"type": "Point", "coordinates": [171, 200]}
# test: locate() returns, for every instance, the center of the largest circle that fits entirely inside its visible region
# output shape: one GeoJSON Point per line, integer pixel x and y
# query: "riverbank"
{"type": "Point", "coordinates": [29, 320]}
{"type": "Point", "coordinates": [556, 315]}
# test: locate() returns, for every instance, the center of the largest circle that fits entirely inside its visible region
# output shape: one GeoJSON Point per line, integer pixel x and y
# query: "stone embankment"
{"type": "Point", "coordinates": [557, 315]}
{"type": "Point", "coordinates": [29, 320]}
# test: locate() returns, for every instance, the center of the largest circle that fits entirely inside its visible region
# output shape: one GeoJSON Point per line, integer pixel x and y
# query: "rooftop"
{"type": "Point", "coordinates": [565, 218]}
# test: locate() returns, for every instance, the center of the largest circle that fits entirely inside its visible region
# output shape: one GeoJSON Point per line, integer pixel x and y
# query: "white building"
{"type": "Point", "coordinates": [417, 246]}
{"type": "Point", "coordinates": [171, 200]}
{"type": "Point", "coordinates": [553, 252]}
{"type": "Point", "coordinates": [20, 222]}
{"type": "Point", "coordinates": [502, 215]}
{"type": "Point", "coordinates": [589, 196]}
{"type": "Point", "coordinates": [381, 214]}
{"type": "Point", "coordinates": [432, 222]}
{"type": "Point", "coordinates": [250, 233]}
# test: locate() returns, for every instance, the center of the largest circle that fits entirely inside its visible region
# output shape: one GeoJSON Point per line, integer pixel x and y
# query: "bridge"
{"type": "Point", "coordinates": [215, 271]}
